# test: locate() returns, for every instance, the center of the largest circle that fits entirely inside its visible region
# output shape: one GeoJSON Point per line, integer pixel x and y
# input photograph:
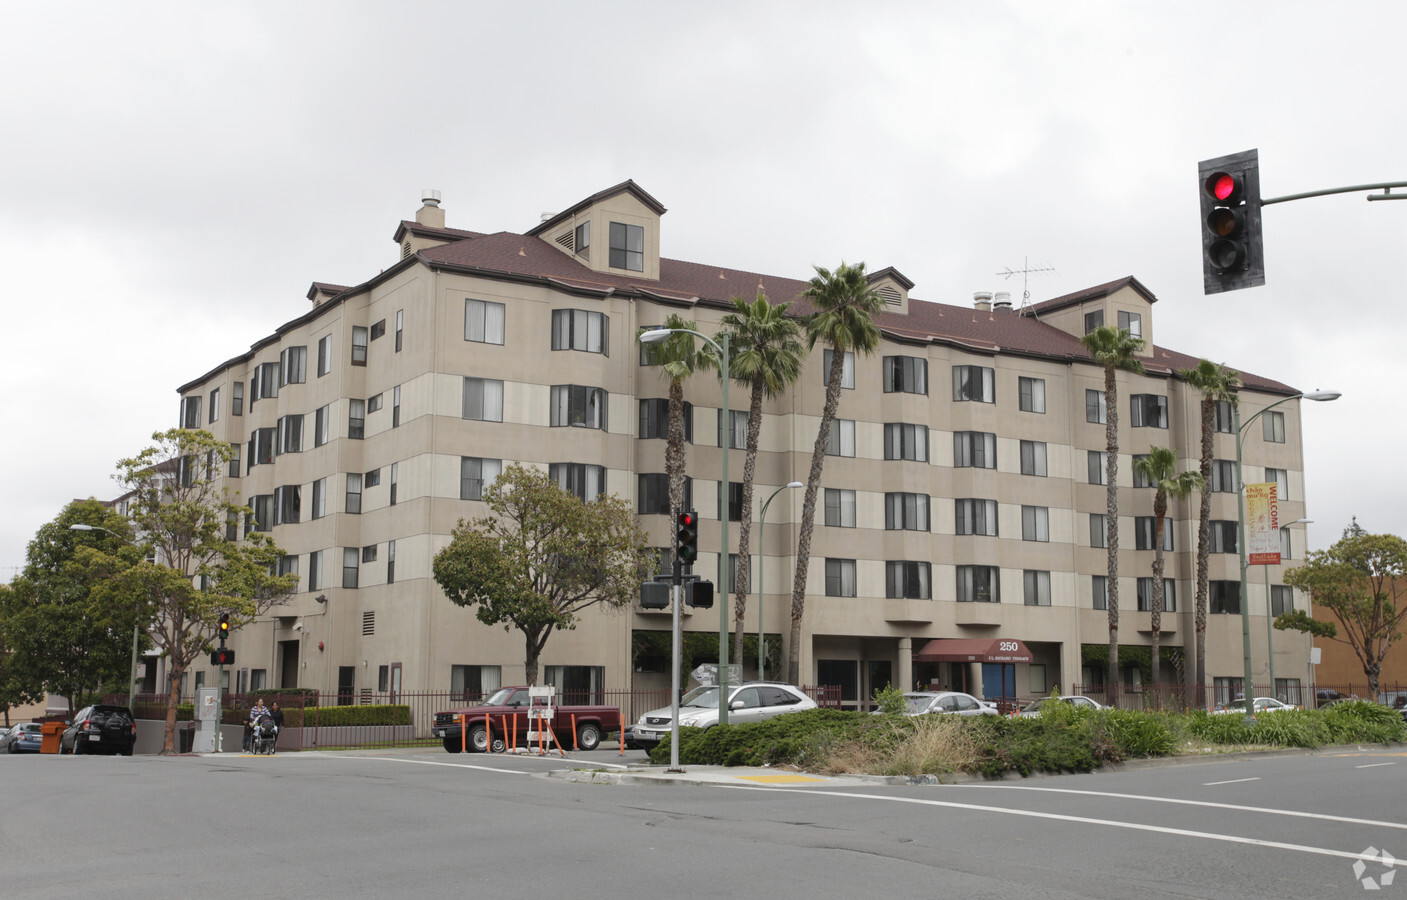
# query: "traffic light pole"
{"type": "Point", "coordinates": [1385, 186]}
{"type": "Point", "coordinates": [677, 646]}
{"type": "Point", "coordinates": [219, 709]}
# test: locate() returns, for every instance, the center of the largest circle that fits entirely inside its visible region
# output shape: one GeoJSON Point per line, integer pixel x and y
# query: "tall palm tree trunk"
{"type": "Point", "coordinates": [674, 447]}
{"type": "Point", "coordinates": [1160, 510]}
{"type": "Point", "coordinates": [1204, 525]}
{"type": "Point", "coordinates": [1111, 523]}
{"type": "Point", "coordinates": [740, 590]}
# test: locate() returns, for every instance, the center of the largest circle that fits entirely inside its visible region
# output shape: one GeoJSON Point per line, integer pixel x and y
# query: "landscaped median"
{"type": "Point", "coordinates": [1062, 739]}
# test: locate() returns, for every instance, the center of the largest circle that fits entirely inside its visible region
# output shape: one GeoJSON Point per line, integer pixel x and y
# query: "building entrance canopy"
{"type": "Point", "coordinates": [992, 650]}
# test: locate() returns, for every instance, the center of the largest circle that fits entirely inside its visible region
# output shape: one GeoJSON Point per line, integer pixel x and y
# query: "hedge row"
{"type": "Point", "coordinates": [315, 716]}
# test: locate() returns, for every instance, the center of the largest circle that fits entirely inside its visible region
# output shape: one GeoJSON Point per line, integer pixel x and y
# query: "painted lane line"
{"type": "Point", "coordinates": [1374, 765]}
{"type": "Point", "coordinates": [1084, 820]}
{"type": "Point", "coordinates": [1232, 781]}
{"type": "Point", "coordinates": [1208, 803]}
{"type": "Point", "coordinates": [427, 762]}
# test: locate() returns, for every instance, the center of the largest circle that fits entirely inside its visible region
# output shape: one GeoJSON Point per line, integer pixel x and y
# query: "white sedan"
{"type": "Point", "coordinates": [1262, 704]}
{"type": "Point", "coordinates": [1074, 700]}
{"type": "Point", "coordinates": [918, 703]}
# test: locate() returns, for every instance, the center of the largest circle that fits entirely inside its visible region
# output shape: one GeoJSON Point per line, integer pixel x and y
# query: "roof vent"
{"type": "Point", "coordinates": [982, 300]}
{"type": "Point", "coordinates": [430, 197]}
{"type": "Point", "coordinates": [429, 213]}
{"type": "Point", "coordinates": [547, 217]}
{"type": "Point", "coordinates": [1002, 300]}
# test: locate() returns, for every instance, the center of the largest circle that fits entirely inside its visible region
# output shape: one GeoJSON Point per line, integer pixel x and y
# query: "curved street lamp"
{"type": "Point", "coordinates": [761, 585]}
{"type": "Point", "coordinates": [1248, 689]}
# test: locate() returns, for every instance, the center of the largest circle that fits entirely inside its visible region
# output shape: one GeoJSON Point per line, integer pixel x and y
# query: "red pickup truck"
{"type": "Point", "coordinates": [506, 711]}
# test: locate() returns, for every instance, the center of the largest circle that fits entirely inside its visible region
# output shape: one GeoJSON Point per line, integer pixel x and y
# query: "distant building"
{"type": "Point", "coordinates": [961, 502]}
{"type": "Point", "coordinates": [1341, 670]}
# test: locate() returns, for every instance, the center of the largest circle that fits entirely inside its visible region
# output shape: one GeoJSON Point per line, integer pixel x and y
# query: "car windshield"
{"type": "Point", "coordinates": [32, 728]}
{"type": "Point", "coordinates": [1236, 704]}
{"type": "Point", "coordinates": [706, 697]}
{"type": "Point", "coordinates": [498, 697]}
{"type": "Point", "coordinates": [1034, 707]}
{"type": "Point", "coordinates": [916, 703]}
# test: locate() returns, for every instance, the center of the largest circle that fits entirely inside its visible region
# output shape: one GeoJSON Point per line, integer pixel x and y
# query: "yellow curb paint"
{"type": "Point", "coordinates": [781, 779]}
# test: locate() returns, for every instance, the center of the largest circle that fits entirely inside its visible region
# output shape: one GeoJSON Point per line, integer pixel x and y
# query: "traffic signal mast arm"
{"type": "Point", "coordinates": [1385, 186]}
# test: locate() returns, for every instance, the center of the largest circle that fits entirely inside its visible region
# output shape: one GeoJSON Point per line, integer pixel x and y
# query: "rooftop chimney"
{"type": "Point", "coordinates": [982, 300]}
{"type": "Point", "coordinates": [430, 214]}
{"type": "Point", "coordinates": [1002, 300]}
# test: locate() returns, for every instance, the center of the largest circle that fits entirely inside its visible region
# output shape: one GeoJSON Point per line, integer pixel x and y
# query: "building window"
{"type": "Point", "coordinates": [234, 461]}
{"type": "Point", "coordinates": [1224, 597]}
{"type": "Point", "coordinates": [1131, 322]}
{"type": "Point", "coordinates": [1285, 543]}
{"type": "Point", "coordinates": [1033, 455]}
{"type": "Point", "coordinates": [1148, 411]}
{"type": "Point", "coordinates": [906, 512]}
{"type": "Point", "coordinates": [354, 492]}
{"type": "Point", "coordinates": [908, 580]}
{"type": "Point", "coordinates": [904, 441]}
{"type": "Point", "coordinates": [654, 420]}
{"type": "Point", "coordinates": [400, 328]}
{"type": "Point", "coordinates": [261, 447]}
{"type": "Point", "coordinates": [190, 412]}
{"type": "Point", "coordinates": [979, 584]}
{"type": "Point", "coordinates": [578, 406]}
{"type": "Point", "coordinates": [214, 406]}
{"type": "Point", "coordinates": [237, 398]}
{"type": "Point", "coordinates": [976, 449]}
{"type": "Point", "coordinates": [358, 345]}
{"type": "Point", "coordinates": [350, 565]}
{"type": "Point", "coordinates": [1093, 320]}
{"type": "Point", "coordinates": [1223, 536]}
{"type": "Point", "coordinates": [847, 369]}
{"type": "Point", "coordinates": [1273, 427]}
{"type": "Point", "coordinates": [840, 578]}
{"type": "Point", "coordinates": [1035, 523]}
{"type": "Point", "coordinates": [1224, 476]}
{"type": "Point", "coordinates": [581, 240]}
{"type": "Point", "coordinates": [627, 247]}
{"type": "Point", "coordinates": [840, 441]}
{"type": "Point", "coordinates": [585, 482]}
{"type": "Point", "coordinates": [475, 474]}
{"type": "Point", "coordinates": [1099, 591]}
{"type": "Point", "coordinates": [1225, 423]}
{"type": "Point", "coordinates": [1144, 532]}
{"type": "Point", "coordinates": [293, 366]}
{"type": "Point", "coordinates": [372, 478]}
{"type": "Point", "coordinates": [369, 553]}
{"type": "Point", "coordinates": [315, 570]}
{"type": "Point", "coordinates": [1036, 587]}
{"type": "Point", "coordinates": [1282, 599]}
{"type": "Point", "coordinates": [1145, 595]}
{"type": "Point", "coordinates": [1099, 530]}
{"type": "Point", "coordinates": [1032, 394]}
{"type": "Point", "coordinates": [976, 516]}
{"type": "Point", "coordinates": [373, 403]}
{"type": "Point", "coordinates": [581, 329]}
{"type": "Point", "coordinates": [483, 321]}
{"type": "Point", "coordinates": [735, 501]}
{"type": "Point", "coordinates": [263, 518]}
{"type": "Point", "coordinates": [319, 499]}
{"type": "Point", "coordinates": [1140, 479]}
{"type": "Point", "coordinates": [976, 383]}
{"type": "Point", "coordinates": [324, 355]}
{"type": "Point", "coordinates": [1095, 412]}
{"type": "Point", "coordinates": [396, 406]}
{"type": "Point", "coordinates": [905, 374]}
{"type": "Point", "coordinates": [290, 434]}
{"type": "Point", "coordinates": [652, 494]}
{"type": "Point", "coordinates": [1098, 466]}
{"type": "Point", "coordinates": [737, 430]}
{"type": "Point", "coordinates": [288, 504]}
{"type": "Point", "coordinates": [356, 419]}
{"type": "Point", "coordinates": [378, 330]}
{"type": "Point", "coordinates": [483, 399]}
{"type": "Point", "coordinates": [322, 425]}
{"type": "Point", "coordinates": [840, 508]}
{"type": "Point", "coordinates": [391, 558]}
{"type": "Point", "coordinates": [473, 683]}
{"type": "Point", "coordinates": [266, 378]}
{"type": "Point", "coordinates": [1281, 478]}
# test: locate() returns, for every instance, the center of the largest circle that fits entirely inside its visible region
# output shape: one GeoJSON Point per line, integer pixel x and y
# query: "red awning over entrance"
{"type": "Point", "coordinates": [994, 650]}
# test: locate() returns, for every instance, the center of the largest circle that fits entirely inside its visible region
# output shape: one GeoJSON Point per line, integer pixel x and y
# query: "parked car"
{"type": "Point", "coordinates": [751, 701]}
{"type": "Point", "coordinates": [919, 703]}
{"type": "Point", "coordinates": [1261, 705]}
{"type": "Point", "coordinates": [100, 729]}
{"type": "Point", "coordinates": [507, 710]}
{"type": "Point", "coordinates": [25, 737]}
{"type": "Point", "coordinates": [1075, 700]}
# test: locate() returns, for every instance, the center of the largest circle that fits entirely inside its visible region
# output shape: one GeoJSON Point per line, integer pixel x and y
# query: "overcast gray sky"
{"type": "Point", "coordinates": [173, 176]}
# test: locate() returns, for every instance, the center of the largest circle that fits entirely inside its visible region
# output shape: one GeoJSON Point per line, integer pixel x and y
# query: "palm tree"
{"type": "Point", "coordinates": [1113, 349]}
{"type": "Point", "coordinates": [1217, 383]}
{"type": "Point", "coordinates": [766, 357]}
{"type": "Point", "coordinates": [1159, 467]}
{"type": "Point", "coordinates": [844, 307]}
{"type": "Point", "coordinates": [677, 359]}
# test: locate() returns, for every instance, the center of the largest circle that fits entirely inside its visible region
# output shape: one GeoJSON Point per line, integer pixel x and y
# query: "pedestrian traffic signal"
{"type": "Point", "coordinates": [688, 537]}
{"type": "Point", "coordinates": [1229, 191]}
{"type": "Point", "coordinates": [222, 656]}
{"type": "Point", "coordinates": [224, 627]}
{"type": "Point", "coordinates": [699, 594]}
{"type": "Point", "coordinates": [655, 594]}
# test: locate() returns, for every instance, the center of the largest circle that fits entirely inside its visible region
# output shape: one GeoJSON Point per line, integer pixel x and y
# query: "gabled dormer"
{"type": "Point", "coordinates": [891, 285]}
{"type": "Point", "coordinates": [616, 231]}
{"type": "Point", "coordinates": [1125, 303]}
{"type": "Point", "coordinates": [428, 230]}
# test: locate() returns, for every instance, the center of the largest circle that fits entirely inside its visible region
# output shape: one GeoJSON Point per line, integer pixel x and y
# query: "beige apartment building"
{"type": "Point", "coordinates": [958, 538]}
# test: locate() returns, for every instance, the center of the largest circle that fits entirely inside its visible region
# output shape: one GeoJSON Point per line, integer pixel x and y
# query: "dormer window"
{"type": "Point", "coordinates": [627, 247]}
{"type": "Point", "coordinates": [1131, 322]}
{"type": "Point", "coordinates": [1094, 320]}
{"type": "Point", "coordinates": [582, 241]}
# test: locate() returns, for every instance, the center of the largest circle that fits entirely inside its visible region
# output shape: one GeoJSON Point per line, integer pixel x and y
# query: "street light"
{"type": "Point", "coordinates": [131, 685]}
{"type": "Point", "coordinates": [1270, 617]}
{"type": "Point", "coordinates": [654, 336]}
{"type": "Point", "coordinates": [761, 585]}
{"type": "Point", "coordinates": [1247, 690]}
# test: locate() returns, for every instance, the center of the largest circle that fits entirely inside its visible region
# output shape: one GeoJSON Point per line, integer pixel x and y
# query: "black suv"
{"type": "Point", "coordinates": [100, 729]}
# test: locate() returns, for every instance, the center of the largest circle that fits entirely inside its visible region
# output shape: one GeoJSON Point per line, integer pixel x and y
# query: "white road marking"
{"type": "Point", "coordinates": [1133, 826]}
{"type": "Point", "coordinates": [1374, 765]}
{"type": "Point", "coordinates": [430, 762]}
{"type": "Point", "coordinates": [1238, 807]}
{"type": "Point", "coordinates": [1231, 781]}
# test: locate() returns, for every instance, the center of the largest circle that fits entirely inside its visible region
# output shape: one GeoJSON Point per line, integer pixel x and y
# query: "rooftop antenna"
{"type": "Point", "coordinates": [1025, 272]}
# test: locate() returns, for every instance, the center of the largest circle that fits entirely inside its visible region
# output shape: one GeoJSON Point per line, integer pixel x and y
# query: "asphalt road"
{"type": "Point", "coordinates": [427, 823]}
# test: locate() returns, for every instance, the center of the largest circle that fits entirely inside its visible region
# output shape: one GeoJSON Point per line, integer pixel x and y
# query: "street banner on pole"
{"type": "Point", "coordinates": [1263, 524]}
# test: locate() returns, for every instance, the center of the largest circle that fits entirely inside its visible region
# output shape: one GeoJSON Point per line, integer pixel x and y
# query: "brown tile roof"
{"type": "Point", "coordinates": [627, 186]}
{"type": "Point", "coordinates": [1092, 293]}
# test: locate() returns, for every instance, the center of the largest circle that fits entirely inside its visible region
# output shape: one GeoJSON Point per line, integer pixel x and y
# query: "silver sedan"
{"type": "Point", "coordinates": [919, 703]}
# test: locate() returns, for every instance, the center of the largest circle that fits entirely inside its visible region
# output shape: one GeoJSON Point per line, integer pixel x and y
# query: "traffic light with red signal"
{"type": "Point", "coordinates": [688, 537]}
{"type": "Point", "coordinates": [1229, 192]}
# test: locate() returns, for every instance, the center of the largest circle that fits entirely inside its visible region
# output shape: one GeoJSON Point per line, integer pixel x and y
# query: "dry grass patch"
{"type": "Point", "coordinates": [922, 746]}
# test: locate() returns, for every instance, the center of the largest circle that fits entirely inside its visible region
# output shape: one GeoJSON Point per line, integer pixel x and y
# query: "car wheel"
{"type": "Point", "coordinates": [588, 736]}
{"type": "Point", "coordinates": [453, 745]}
{"type": "Point", "coordinates": [11, 749]}
{"type": "Point", "coordinates": [77, 747]}
{"type": "Point", "coordinates": [127, 752]}
{"type": "Point", "coordinates": [479, 740]}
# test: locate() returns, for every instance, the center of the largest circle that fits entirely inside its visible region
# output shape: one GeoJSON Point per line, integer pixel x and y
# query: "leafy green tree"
{"type": "Point", "coordinates": [844, 307]}
{"type": "Point", "coordinates": [542, 558]}
{"type": "Point", "coordinates": [16, 688]}
{"type": "Point", "coordinates": [1362, 580]}
{"type": "Point", "coordinates": [1113, 349]}
{"type": "Point", "coordinates": [72, 635]}
{"type": "Point", "coordinates": [1217, 383]}
{"type": "Point", "coordinates": [1159, 467]}
{"type": "Point", "coordinates": [766, 358]}
{"type": "Point", "coordinates": [188, 526]}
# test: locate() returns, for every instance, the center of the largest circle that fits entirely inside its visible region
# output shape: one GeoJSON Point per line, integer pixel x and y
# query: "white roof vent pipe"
{"type": "Point", "coordinates": [430, 213]}
{"type": "Point", "coordinates": [982, 300]}
{"type": "Point", "coordinates": [1002, 300]}
{"type": "Point", "coordinates": [430, 197]}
